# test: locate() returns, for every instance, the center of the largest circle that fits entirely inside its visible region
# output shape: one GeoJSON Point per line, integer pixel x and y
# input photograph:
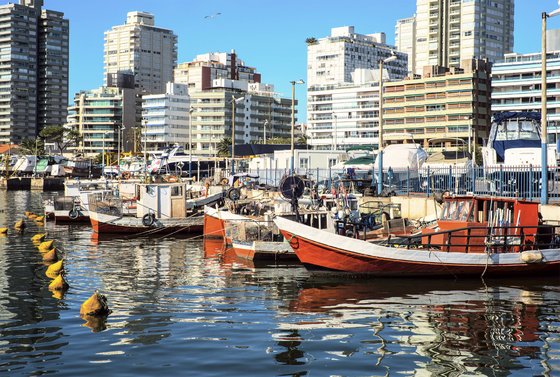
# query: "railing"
{"type": "Point", "coordinates": [515, 182]}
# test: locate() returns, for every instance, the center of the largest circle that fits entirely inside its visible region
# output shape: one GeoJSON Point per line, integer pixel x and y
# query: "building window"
{"type": "Point", "coordinates": [332, 162]}
{"type": "Point", "coordinates": [304, 163]}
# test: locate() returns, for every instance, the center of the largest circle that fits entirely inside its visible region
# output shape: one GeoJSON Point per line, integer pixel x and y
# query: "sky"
{"type": "Point", "coordinates": [268, 35]}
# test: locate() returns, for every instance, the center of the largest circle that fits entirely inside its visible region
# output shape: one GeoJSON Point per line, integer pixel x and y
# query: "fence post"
{"type": "Point", "coordinates": [501, 180]}
{"type": "Point", "coordinates": [474, 179]}
{"type": "Point", "coordinates": [408, 180]}
{"type": "Point", "coordinates": [330, 179]}
{"type": "Point", "coordinates": [531, 182]}
{"type": "Point", "coordinates": [428, 186]}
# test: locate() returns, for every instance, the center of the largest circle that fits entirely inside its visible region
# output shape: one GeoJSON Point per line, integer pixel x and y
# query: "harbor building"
{"type": "Point", "coordinates": [166, 118]}
{"type": "Point", "coordinates": [138, 46]}
{"type": "Point", "coordinates": [98, 115]}
{"type": "Point", "coordinates": [516, 86]}
{"type": "Point", "coordinates": [342, 90]}
{"type": "Point", "coordinates": [219, 84]}
{"type": "Point", "coordinates": [33, 69]}
{"type": "Point", "coordinates": [450, 31]}
{"type": "Point", "coordinates": [451, 103]}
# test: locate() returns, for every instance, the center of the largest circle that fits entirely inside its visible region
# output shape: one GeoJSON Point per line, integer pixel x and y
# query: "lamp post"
{"type": "Point", "coordinates": [544, 130]}
{"type": "Point", "coordinates": [103, 155]}
{"type": "Point", "coordinates": [380, 137]}
{"type": "Point", "coordinates": [300, 81]}
{"type": "Point", "coordinates": [120, 130]}
{"type": "Point", "coordinates": [36, 153]}
{"type": "Point", "coordinates": [233, 102]}
{"type": "Point", "coordinates": [190, 141]}
{"type": "Point", "coordinates": [145, 121]}
{"type": "Point", "coordinates": [335, 133]}
{"type": "Point", "coordinates": [264, 131]}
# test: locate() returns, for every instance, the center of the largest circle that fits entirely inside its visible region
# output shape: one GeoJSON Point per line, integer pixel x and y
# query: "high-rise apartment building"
{"type": "Point", "coordinates": [138, 46]}
{"type": "Point", "coordinates": [215, 80]}
{"type": "Point", "coordinates": [33, 69]}
{"type": "Point", "coordinates": [450, 31]}
{"type": "Point", "coordinates": [342, 90]}
{"type": "Point", "coordinates": [450, 103]}
{"type": "Point", "coordinates": [166, 118]}
{"type": "Point", "coordinates": [99, 115]}
{"type": "Point", "coordinates": [405, 35]}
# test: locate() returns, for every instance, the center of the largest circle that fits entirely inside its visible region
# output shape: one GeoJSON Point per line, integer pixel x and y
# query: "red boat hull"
{"type": "Point", "coordinates": [213, 227]}
{"type": "Point", "coordinates": [316, 256]}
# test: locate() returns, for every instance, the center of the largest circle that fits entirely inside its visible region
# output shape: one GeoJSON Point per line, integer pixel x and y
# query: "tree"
{"type": "Point", "coordinates": [61, 136]}
{"type": "Point", "coordinates": [311, 40]}
{"type": "Point", "coordinates": [224, 147]}
{"type": "Point", "coordinates": [32, 146]}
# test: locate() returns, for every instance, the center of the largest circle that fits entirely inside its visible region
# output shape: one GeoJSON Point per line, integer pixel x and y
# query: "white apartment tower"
{"type": "Point", "coordinates": [138, 46]}
{"type": "Point", "coordinates": [342, 91]}
{"type": "Point", "coordinates": [166, 118]}
{"type": "Point", "coordinates": [405, 35]}
{"type": "Point", "coordinates": [449, 31]}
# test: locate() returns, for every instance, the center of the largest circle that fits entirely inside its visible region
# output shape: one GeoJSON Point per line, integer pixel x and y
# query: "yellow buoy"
{"type": "Point", "coordinates": [58, 284]}
{"type": "Point", "coordinates": [39, 237]}
{"type": "Point", "coordinates": [46, 246]}
{"type": "Point", "coordinates": [54, 269]}
{"type": "Point", "coordinates": [32, 216]}
{"type": "Point", "coordinates": [40, 219]}
{"type": "Point", "coordinates": [50, 256]}
{"type": "Point", "coordinates": [96, 305]}
{"type": "Point", "coordinates": [27, 213]}
{"type": "Point", "coordinates": [3, 230]}
{"type": "Point", "coordinates": [19, 225]}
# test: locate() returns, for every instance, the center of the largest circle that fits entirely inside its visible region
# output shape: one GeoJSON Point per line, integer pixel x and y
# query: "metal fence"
{"type": "Point", "coordinates": [516, 182]}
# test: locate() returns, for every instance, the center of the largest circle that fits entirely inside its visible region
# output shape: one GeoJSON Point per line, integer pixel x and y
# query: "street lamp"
{"type": "Point", "coordinates": [264, 131]}
{"type": "Point", "coordinates": [190, 141]}
{"type": "Point", "coordinates": [300, 81]}
{"type": "Point", "coordinates": [103, 155]}
{"type": "Point", "coordinates": [145, 122]}
{"type": "Point", "coordinates": [544, 130]}
{"type": "Point", "coordinates": [233, 102]}
{"type": "Point", "coordinates": [120, 130]}
{"type": "Point", "coordinates": [380, 137]}
{"type": "Point", "coordinates": [335, 133]}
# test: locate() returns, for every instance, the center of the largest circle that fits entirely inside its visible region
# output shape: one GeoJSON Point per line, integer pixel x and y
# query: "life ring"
{"type": "Point", "coordinates": [148, 219]}
{"type": "Point", "coordinates": [233, 194]}
{"type": "Point", "coordinates": [74, 213]}
{"type": "Point", "coordinates": [126, 175]}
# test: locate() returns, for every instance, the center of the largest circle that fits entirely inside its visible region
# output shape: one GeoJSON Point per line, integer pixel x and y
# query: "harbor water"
{"type": "Point", "coordinates": [188, 307]}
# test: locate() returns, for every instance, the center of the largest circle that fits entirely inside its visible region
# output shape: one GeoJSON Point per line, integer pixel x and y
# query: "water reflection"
{"type": "Point", "coordinates": [458, 328]}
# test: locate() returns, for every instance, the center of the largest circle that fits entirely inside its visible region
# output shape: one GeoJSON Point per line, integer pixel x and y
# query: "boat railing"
{"type": "Point", "coordinates": [248, 230]}
{"type": "Point", "coordinates": [477, 239]}
{"type": "Point", "coordinates": [105, 203]}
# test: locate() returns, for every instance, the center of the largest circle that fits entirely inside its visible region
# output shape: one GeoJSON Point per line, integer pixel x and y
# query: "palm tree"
{"type": "Point", "coordinates": [224, 147]}
{"type": "Point", "coordinates": [32, 146]}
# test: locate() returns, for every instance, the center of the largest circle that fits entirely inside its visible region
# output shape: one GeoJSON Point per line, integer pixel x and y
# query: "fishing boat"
{"type": "Point", "coordinates": [161, 208]}
{"type": "Point", "coordinates": [476, 236]}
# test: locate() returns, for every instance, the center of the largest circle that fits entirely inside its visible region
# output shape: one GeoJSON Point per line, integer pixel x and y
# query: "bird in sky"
{"type": "Point", "coordinates": [212, 15]}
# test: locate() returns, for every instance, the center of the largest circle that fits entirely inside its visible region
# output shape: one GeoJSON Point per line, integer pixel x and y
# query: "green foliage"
{"type": "Point", "coordinates": [61, 136]}
{"type": "Point", "coordinates": [224, 147]}
{"type": "Point", "coordinates": [311, 40]}
{"type": "Point", "coordinates": [32, 146]}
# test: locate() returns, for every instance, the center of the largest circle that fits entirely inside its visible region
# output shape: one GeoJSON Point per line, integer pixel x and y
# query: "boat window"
{"type": "Point", "coordinates": [176, 191]}
{"type": "Point", "coordinates": [464, 211]}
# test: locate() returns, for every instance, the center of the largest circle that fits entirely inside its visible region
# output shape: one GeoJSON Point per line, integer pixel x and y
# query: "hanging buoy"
{"type": "Point", "coordinates": [58, 284]}
{"type": "Point", "coordinates": [46, 246]}
{"type": "Point", "coordinates": [50, 256]}
{"type": "Point", "coordinates": [3, 230]}
{"type": "Point", "coordinates": [40, 219]}
{"type": "Point", "coordinates": [40, 237]}
{"type": "Point", "coordinates": [96, 305]}
{"type": "Point", "coordinates": [32, 216]}
{"type": "Point", "coordinates": [19, 225]}
{"type": "Point", "coordinates": [54, 269]}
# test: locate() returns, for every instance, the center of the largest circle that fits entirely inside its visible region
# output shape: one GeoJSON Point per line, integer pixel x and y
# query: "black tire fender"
{"type": "Point", "coordinates": [148, 219]}
{"type": "Point", "coordinates": [74, 213]}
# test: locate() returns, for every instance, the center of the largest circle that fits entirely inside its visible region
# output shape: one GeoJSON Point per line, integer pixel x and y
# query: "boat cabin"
{"type": "Point", "coordinates": [471, 223]}
{"type": "Point", "coordinates": [162, 200]}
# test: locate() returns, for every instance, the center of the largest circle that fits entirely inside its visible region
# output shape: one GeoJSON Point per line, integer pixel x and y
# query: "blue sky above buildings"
{"type": "Point", "coordinates": [268, 35]}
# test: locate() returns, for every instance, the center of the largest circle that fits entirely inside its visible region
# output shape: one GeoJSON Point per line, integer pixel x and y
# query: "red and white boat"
{"type": "Point", "coordinates": [214, 221]}
{"type": "Point", "coordinates": [476, 236]}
